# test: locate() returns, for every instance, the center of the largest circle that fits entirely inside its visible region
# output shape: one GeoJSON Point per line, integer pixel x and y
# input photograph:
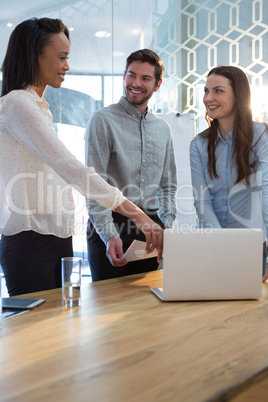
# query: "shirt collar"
{"type": "Point", "coordinates": [131, 109]}
{"type": "Point", "coordinates": [227, 138]}
{"type": "Point", "coordinates": [37, 98]}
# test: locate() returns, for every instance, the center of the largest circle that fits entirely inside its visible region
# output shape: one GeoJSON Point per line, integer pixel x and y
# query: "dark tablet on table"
{"type": "Point", "coordinates": [20, 303]}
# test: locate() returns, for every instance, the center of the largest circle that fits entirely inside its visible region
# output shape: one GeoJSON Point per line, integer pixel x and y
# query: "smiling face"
{"type": "Point", "coordinates": [140, 84]}
{"type": "Point", "coordinates": [219, 100]}
{"type": "Point", "coordinates": [53, 62]}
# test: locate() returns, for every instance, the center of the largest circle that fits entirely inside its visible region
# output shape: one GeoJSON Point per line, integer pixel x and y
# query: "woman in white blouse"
{"type": "Point", "coordinates": [37, 171]}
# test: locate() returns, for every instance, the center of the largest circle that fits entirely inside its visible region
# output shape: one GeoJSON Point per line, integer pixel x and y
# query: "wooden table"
{"type": "Point", "coordinates": [123, 344]}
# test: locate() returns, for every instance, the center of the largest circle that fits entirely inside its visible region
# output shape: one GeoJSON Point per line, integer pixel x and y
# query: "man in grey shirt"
{"type": "Point", "coordinates": [131, 149]}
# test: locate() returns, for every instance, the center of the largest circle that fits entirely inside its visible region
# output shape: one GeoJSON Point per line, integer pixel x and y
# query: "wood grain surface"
{"type": "Point", "coordinates": [124, 344]}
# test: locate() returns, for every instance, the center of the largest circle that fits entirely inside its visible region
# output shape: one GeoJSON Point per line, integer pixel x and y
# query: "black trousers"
{"type": "Point", "coordinates": [100, 266]}
{"type": "Point", "coordinates": [31, 262]}
{"type": "Point", "coordinates": [264, 265]}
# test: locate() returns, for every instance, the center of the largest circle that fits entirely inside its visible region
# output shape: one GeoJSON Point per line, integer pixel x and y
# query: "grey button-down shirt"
{"type": "Point", "coordinates": [134, 152]}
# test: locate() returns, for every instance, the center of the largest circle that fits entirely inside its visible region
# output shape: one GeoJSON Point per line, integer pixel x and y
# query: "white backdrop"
{"type": "Point", "coordinates": [182, 127]}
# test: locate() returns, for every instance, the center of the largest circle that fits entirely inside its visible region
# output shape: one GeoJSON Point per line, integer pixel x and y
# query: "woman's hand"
{"type": "Point", "coordinates": [153, 232]}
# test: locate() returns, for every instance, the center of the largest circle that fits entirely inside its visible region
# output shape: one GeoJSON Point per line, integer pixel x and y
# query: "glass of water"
{"type": "Point", "coordinates": [71, 270]}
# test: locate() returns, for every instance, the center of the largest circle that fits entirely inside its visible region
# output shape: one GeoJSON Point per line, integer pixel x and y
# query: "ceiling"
{"type": "Point", "coordinates": [128, 21]}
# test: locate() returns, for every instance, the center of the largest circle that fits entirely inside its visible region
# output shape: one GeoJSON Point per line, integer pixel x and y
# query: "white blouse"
{"type": "Point", "coordinates": [37, 171]}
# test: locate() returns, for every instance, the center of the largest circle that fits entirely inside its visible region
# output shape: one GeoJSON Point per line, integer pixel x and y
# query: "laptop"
{"type": "Point", "coordinates": [211, 264]}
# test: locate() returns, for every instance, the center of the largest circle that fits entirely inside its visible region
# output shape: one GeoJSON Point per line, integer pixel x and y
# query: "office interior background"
{"type": "Point", "coordinates": [191, 36]}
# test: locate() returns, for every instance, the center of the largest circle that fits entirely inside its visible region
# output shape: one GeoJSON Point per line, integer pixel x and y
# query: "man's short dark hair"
{"type": "Point", "coordinates": [147, 56]}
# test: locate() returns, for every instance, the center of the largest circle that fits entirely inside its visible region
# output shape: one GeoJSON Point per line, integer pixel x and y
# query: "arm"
{"type": "Point", "coordinates": [202, 199]}
{"type": "Point", "coordinates": [168, 187]}
{"type": "Point", "coordinates": [152, 231]}
{"type": "Point", "coordinates": [98, 153]}
{"type": "Point", "coordinates": [262, 152]}
{"type": "Point", "coordinates": [27, 124]}
{"type": "Point", "coordinates": [153, 234]}
{"type": "Point", "coordinates": [99, 149]}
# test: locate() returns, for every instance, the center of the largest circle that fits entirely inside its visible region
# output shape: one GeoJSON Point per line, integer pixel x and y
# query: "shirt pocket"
{"type": "Point", "coordinates": [158, 155]}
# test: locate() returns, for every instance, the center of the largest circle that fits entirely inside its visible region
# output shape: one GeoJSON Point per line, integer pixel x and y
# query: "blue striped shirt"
{"type": "Point", "coordinates": [220, 202]}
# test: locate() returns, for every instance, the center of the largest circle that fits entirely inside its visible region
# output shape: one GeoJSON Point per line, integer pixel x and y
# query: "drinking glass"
{"type": "Point", "coordinates": [71, 269]}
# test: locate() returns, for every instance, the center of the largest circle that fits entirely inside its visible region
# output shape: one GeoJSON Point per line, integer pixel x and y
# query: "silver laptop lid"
{"type": "Point", "coordinates": [212, 264]}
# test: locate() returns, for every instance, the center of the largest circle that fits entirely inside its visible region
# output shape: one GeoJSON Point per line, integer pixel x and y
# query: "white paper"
{"type": "Point", "coordinates": [136, 251]}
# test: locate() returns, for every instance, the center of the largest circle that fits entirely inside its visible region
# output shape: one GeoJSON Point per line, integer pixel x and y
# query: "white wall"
{"type": "Point", "coordinates": [182, 127]}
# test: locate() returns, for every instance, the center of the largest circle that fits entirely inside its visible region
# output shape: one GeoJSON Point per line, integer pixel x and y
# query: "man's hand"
{"type": "Point", "coordinates": [114, 252]}
{"type": "Point", "coordinates": [265, 277]}
{"type": "Point", "coordinates": [154, 233]}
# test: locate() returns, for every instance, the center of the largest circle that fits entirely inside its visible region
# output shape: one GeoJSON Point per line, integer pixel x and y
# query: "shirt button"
{"type": "Point", "coordinates": [143, 160]}
{"type": "Point", "coordinates": [142, 179]}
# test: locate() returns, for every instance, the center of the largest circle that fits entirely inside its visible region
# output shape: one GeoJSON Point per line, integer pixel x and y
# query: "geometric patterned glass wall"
{"type": "Point", "coordinates": [193, 36]}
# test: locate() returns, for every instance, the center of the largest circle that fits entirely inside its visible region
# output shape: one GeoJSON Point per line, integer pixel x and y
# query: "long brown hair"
{"type": "Point", "coordinates": [243, 125]}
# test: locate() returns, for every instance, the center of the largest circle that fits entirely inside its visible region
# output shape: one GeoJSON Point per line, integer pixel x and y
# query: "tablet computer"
{"type": "Point", "coordinates": [21, 304]}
